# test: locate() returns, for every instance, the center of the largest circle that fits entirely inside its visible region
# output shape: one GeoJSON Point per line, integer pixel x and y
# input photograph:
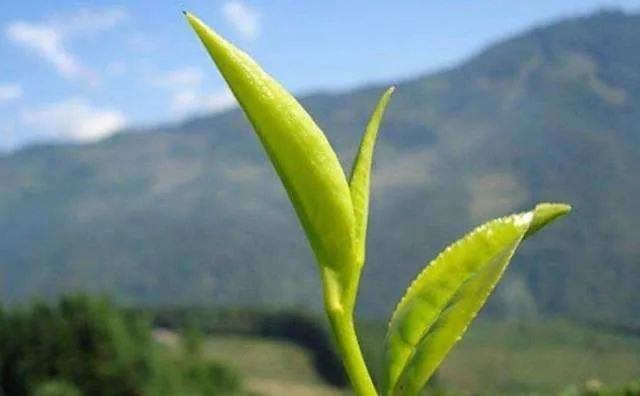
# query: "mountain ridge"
{"type": "Point", "coordinates": [167, 216]}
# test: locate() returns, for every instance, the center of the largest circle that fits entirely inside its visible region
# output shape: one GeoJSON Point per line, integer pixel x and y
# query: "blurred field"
{"type": "Point", "coordinates": [541, 358]}
{"type": "Point", "coordinates": [493, 358]}
{"type": "Point", "coordinates": [270, 367]}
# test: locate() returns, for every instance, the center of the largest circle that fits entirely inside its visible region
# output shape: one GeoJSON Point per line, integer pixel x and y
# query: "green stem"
{"type": "Point", "coordinates": [344, 331]}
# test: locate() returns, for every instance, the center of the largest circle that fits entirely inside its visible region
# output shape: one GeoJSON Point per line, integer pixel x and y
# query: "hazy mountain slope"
{"type": "Point", "coordinates": [193, 212]}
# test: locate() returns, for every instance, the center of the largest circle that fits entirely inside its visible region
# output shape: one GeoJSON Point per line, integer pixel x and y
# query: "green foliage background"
{"type": "Point", "coordinates": [550, 357]}
{"type": "Point", "coordinates": [85, 346]}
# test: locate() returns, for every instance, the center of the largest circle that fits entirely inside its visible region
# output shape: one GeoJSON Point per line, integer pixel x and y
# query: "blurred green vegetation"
{"type": "Point", "coordinates": [511, 358]}
{"type": "Point", "coordinates": [528, 357]}
{"type": "Point", "coordinates": [303, 329]}
{"type": "Point", "coordinates": [597, 388]}
{"type": "Point", "coordinates": [86, 346]}
{"type": "Point", "coordinates": [56, 388]}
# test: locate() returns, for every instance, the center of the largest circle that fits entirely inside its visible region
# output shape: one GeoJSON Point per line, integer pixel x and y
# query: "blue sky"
{"type": "Point", "coordinates": [80, 71]}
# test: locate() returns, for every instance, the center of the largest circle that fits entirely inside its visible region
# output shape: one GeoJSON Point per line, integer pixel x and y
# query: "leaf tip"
{"type": "Point", "coordinates": [192, 19]}
{"type": "Point", "coordinates": [544, 214]}
{"type": "Point", "coordinates": [206, 34]}
{"type": "Point", "coordinates": [387, 94]}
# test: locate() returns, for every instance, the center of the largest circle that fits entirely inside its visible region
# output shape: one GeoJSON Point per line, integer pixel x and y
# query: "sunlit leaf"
{"type": "Point", "coordinates": [360, 181]}
{"type": "Point", "coordinates": [447, 295]}
{"type": "Point", "coordinates": [544, 214]}
{"type": "Point", "coordinates": [299, 151]}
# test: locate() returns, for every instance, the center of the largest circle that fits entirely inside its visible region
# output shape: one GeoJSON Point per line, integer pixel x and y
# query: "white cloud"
{"type": "Point", "coordinates": [74, 119]}
{"type": "Point", "coordinates": [187, 95]}
{"type": "Point", "coordinates": [219, 101]}
{"type": "Point", "coordinates": [189, 100]}
{"type": "Point", "coordinates": [47, 42]}
{"type": "Point", "coordinates": [49, 39]}
{"type": "Point", "coordinates": [179, 78]}
{"type": "Point", "coordinates": [10, 92]}
{"type": "Point", "coordinates": [244, 18]}
{"type": "Point", "coordinates": [87, 21]}
{"type": "Point", "coordinates": [184, 101]}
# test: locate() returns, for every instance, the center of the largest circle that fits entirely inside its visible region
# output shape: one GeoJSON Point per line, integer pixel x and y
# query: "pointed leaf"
{"type": "Point", "coordinates": [544, 214]}
{"type": "Point", "coordinates": [360, 181]}
{"type": "Point", "coordinates": [299, 151]}
{"type": "Point", "coordinates": [447, 295]}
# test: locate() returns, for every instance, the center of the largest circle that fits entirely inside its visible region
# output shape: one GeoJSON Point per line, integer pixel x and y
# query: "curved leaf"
{"type": "Point", "coordinates": [447, 295]}
{"type": "Point", "coordinates": [544, 214]}
{"type": "Point", "coordinates": [360, 181]}
{"type": "Point", "coordinates": [299, 151]}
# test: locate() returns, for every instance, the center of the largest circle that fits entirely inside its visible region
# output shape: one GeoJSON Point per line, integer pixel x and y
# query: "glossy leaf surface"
{"type": "Point", "coordinates": [447, 295]}
{"type": "Point", "coordinates": [299, 151]}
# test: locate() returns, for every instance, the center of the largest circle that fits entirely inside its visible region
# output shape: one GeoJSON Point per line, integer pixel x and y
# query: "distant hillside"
{"type": "Point", "coordinates": [194, 213]}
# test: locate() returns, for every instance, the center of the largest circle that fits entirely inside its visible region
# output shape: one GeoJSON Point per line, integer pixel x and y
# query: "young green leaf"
{"type": "Point", "coordinates": [544, 214]}
{"type": "Point", "coordinates": [360, 181]}
{"type": "Point", "coordinates": [447, 295]}
{"type": "Point", "coordinates": [299, 151]}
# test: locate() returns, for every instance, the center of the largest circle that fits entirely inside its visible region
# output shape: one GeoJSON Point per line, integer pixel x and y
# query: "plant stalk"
{"type": "Point", "coordinates": [344, 331]}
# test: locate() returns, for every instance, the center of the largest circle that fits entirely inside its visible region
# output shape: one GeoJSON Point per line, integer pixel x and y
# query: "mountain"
{"type": "Point", "coordinates": [193, 213]}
